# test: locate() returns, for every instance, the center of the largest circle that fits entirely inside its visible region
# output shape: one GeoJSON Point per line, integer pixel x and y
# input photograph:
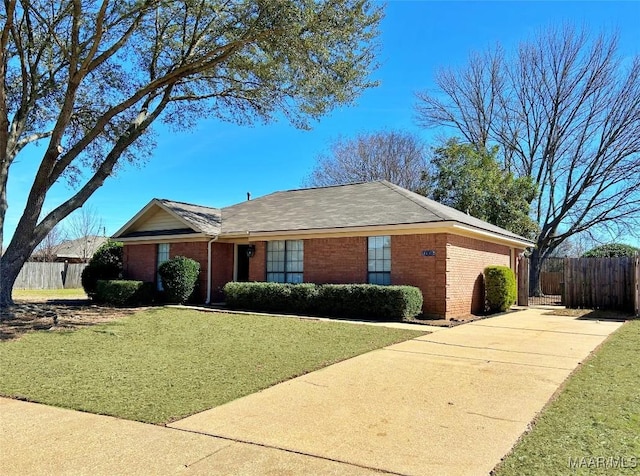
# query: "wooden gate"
{"type": "Point", "coordinates": [523, 281]}
{"type": "Point", "coordinates": [585, 283]}
{"type": "Point", "coordinates": [552, 281]}
{"type": "Point", "coordinates": [602, 283]}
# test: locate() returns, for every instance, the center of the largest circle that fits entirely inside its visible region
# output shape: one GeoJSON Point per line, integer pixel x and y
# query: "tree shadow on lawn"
{"type": "Point", "coordinates": [55, 315]}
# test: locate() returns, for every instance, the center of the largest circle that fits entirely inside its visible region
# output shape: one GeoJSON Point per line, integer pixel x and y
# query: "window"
{"type": "Point", "coordinates": [379, 260]}
{"type": "Point", "coordinates": [284, 261]}
{"type": "Point", "coordinates": [163, 256]}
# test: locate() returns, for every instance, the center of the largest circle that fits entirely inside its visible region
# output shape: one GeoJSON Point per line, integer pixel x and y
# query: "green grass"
{"type": "Point", "coordinates": [163, 364]}
{"type": "Point", "coordinates": [44, 294]}
{"type": "Point", "coordinates": [597, 415]}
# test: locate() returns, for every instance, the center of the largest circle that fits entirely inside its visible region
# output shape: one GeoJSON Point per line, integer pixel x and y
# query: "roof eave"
{"type": "Point", "coordinates": [396, 228]}
{"type": "Point", "coordinates": [165, 238]}
{"type": "Point", "coordinates": [512, 241]}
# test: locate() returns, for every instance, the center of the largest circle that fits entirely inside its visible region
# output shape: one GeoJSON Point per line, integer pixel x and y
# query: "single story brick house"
{"type": "Point", "coordinates": [374, 232]}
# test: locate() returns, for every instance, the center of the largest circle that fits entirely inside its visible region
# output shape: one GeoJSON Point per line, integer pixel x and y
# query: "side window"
{"type": "Point", "coordinates": [163, 256]}
{"type": "Point", "coordinates": [379, 260]}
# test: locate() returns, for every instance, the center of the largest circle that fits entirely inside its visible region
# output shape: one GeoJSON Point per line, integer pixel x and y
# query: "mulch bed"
{"type": "Point", "coordinates": [454, 322]}
{"type": "Point", "coordinates": [55, 315]}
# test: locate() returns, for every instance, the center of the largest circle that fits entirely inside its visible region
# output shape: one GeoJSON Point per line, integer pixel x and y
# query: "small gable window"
{"type": "Point", "coordinates": [285, 261]}
{"type": "Point", "coordinates": [379, 260]}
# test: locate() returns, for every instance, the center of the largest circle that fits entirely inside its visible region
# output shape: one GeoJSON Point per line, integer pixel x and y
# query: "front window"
{"type": "Point", "coordinates": [379, 260]}
{"type": "Point", "coordinates": [285, 261]}
{"type": "Point", "coordinates": [163, 256]}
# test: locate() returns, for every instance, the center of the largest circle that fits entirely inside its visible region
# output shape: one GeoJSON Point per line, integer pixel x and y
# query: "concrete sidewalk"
{"type": "Point", "coordinates": [451, 402]}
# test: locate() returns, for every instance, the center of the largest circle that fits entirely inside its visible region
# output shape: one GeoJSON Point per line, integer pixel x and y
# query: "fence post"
{"type": "Point", "coordinates": [65, 270]}
{"type": "Point", "coordinates": [637, 285]}
{"type": "Point", "coordinates": [523, 281]}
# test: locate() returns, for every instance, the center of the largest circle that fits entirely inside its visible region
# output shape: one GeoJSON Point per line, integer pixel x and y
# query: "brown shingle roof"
{"type": "Point", "coordinates": [361, 204]}
{"type": "Point", "coordinates": [342, 206]}
{"type": "Point", "coordinates": [203, 219]}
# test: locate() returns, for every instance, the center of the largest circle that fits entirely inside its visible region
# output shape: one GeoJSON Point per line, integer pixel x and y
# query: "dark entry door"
{"type": "Point", "coordinates": [242, 263]}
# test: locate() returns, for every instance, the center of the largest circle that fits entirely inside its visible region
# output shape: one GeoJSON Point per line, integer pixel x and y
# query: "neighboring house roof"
{"type": "Point", "coordinates": [80, 248]}
{"type": "Point", "coordinates": [370, 204]}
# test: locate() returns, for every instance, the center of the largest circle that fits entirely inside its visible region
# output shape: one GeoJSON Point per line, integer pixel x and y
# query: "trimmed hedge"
{"type": "Point", "coordinates": [364, 301]}
{"type": "Point", "coordinates": [105, 264]}
{"type": "Point", "coordinates": [500, 288]}
{"type": "Point", "coordinates": [124, 292]}
{"type": "Point", "coordinates": [179, 276]}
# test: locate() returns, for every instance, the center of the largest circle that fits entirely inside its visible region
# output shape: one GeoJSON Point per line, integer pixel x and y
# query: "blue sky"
{"type": "Point", "coordinates": [216, 163]}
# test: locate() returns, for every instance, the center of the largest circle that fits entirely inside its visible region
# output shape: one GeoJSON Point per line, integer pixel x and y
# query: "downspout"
{"type": "Point", "coordinates": [208, 301]}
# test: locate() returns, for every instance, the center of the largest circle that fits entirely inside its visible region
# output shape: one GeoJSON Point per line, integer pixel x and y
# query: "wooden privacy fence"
{"type": "Point", "coordinates": [602, 283]}
{"type": "Point", "coordinates": [551, 282]}
{"type": "Point", "coordinates": [49, 276]}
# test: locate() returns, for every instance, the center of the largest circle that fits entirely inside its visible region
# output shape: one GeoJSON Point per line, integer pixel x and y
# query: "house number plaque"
{"type": "Point", "coordinates": [428, 252]}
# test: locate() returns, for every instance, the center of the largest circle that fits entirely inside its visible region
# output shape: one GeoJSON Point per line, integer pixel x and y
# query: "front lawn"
{"type": "Point", "coordinates": [163, 364]}
{"type": "Point", "coordinates": [47, 294]}
{"type": "Point", "coordinates": [593, 427]}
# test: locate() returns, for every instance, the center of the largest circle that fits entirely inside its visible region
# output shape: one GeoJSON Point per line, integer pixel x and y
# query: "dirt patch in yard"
{"type": "Point", "coordinates": [592, 314]}
{"type": "Point", "coordinates": [55, 315]}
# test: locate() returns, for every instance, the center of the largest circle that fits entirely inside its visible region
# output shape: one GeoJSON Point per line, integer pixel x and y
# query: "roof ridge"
{"type": "Point", "coordinates": [303, 189]}
{"type": "Point", "coordinates": [317, 187]}
{"type": "Point", "coordinates": [185, 203]}
{"type": "Point", "coordinates": [401, 191]}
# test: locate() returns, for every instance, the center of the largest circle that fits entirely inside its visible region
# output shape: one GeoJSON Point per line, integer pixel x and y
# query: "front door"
{"type": "Point", "coordinates": [242, 263]}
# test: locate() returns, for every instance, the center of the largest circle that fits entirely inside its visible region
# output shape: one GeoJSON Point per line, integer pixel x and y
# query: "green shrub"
{"type": "Point", "coordinates": [611, 250]}
{"type": "Point", "coordinates": [303, 297]}
{"type": "Point", "coordinates": [369, 301]}
{"type": "Point", "coordinates": [500, 288]}
{"type": "Point", "coordinates": [124, 292]}
{"type": "Point", "coordinates": [365, 301]}
{"type": "Point", "coordinates": [259, 296]}
{"type": "Point", "coordinates": [179, 276]}
{"type": "Point", "coordinates": [105, 264]}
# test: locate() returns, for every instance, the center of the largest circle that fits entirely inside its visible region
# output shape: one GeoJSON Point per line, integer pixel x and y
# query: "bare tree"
{"type": "Point", "coordinates": [574, 246]}
{"type": "Point", "coordinates": [84, 227]}
{"type": "Point", "coordinates": [398, 157]}
{"type": "Point", "coordinates": [565, 110]}
{"type": "Point", "coordinates": [47, 250]}
{"type": "Point", "coordinates": [90, 78]}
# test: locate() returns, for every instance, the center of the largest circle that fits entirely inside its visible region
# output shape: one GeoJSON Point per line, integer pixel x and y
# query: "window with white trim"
{"type": "Point", "coordinates": [379, 260]}
{"type": "Point", "coordinates": [163, 256]}
{"type": "Point", "coordinates": [285, 260]}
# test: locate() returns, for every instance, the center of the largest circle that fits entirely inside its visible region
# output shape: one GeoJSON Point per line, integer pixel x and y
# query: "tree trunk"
{"type": "Point", "coordinates": [9, 270]}
{"type": "Point", "coordinates": [535, 266]}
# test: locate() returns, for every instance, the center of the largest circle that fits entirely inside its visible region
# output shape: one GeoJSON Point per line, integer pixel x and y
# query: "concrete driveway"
{"type": "Point", "coordinates": [452, 402]}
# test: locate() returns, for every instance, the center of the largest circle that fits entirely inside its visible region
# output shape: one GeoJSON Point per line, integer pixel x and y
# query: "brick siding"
{"type": "Point", "coordinates": [409, 266]}
{"type": "Point", "coordinates": [450, 280]}
{"type": "Point", "coordinates": [466, 260]}
{"type": "Point", "coordinates": [221, 268]}
{"type": "Point", "coordinates": [335, 260]}
{"type": "Point", "coordinates": [139, 262]}
{"type": "Point", "coordinates": [258, 264]}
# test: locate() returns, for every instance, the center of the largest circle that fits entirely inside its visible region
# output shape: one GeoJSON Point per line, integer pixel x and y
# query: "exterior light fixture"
{"type": "Point", "coordinates": [251, 251]}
